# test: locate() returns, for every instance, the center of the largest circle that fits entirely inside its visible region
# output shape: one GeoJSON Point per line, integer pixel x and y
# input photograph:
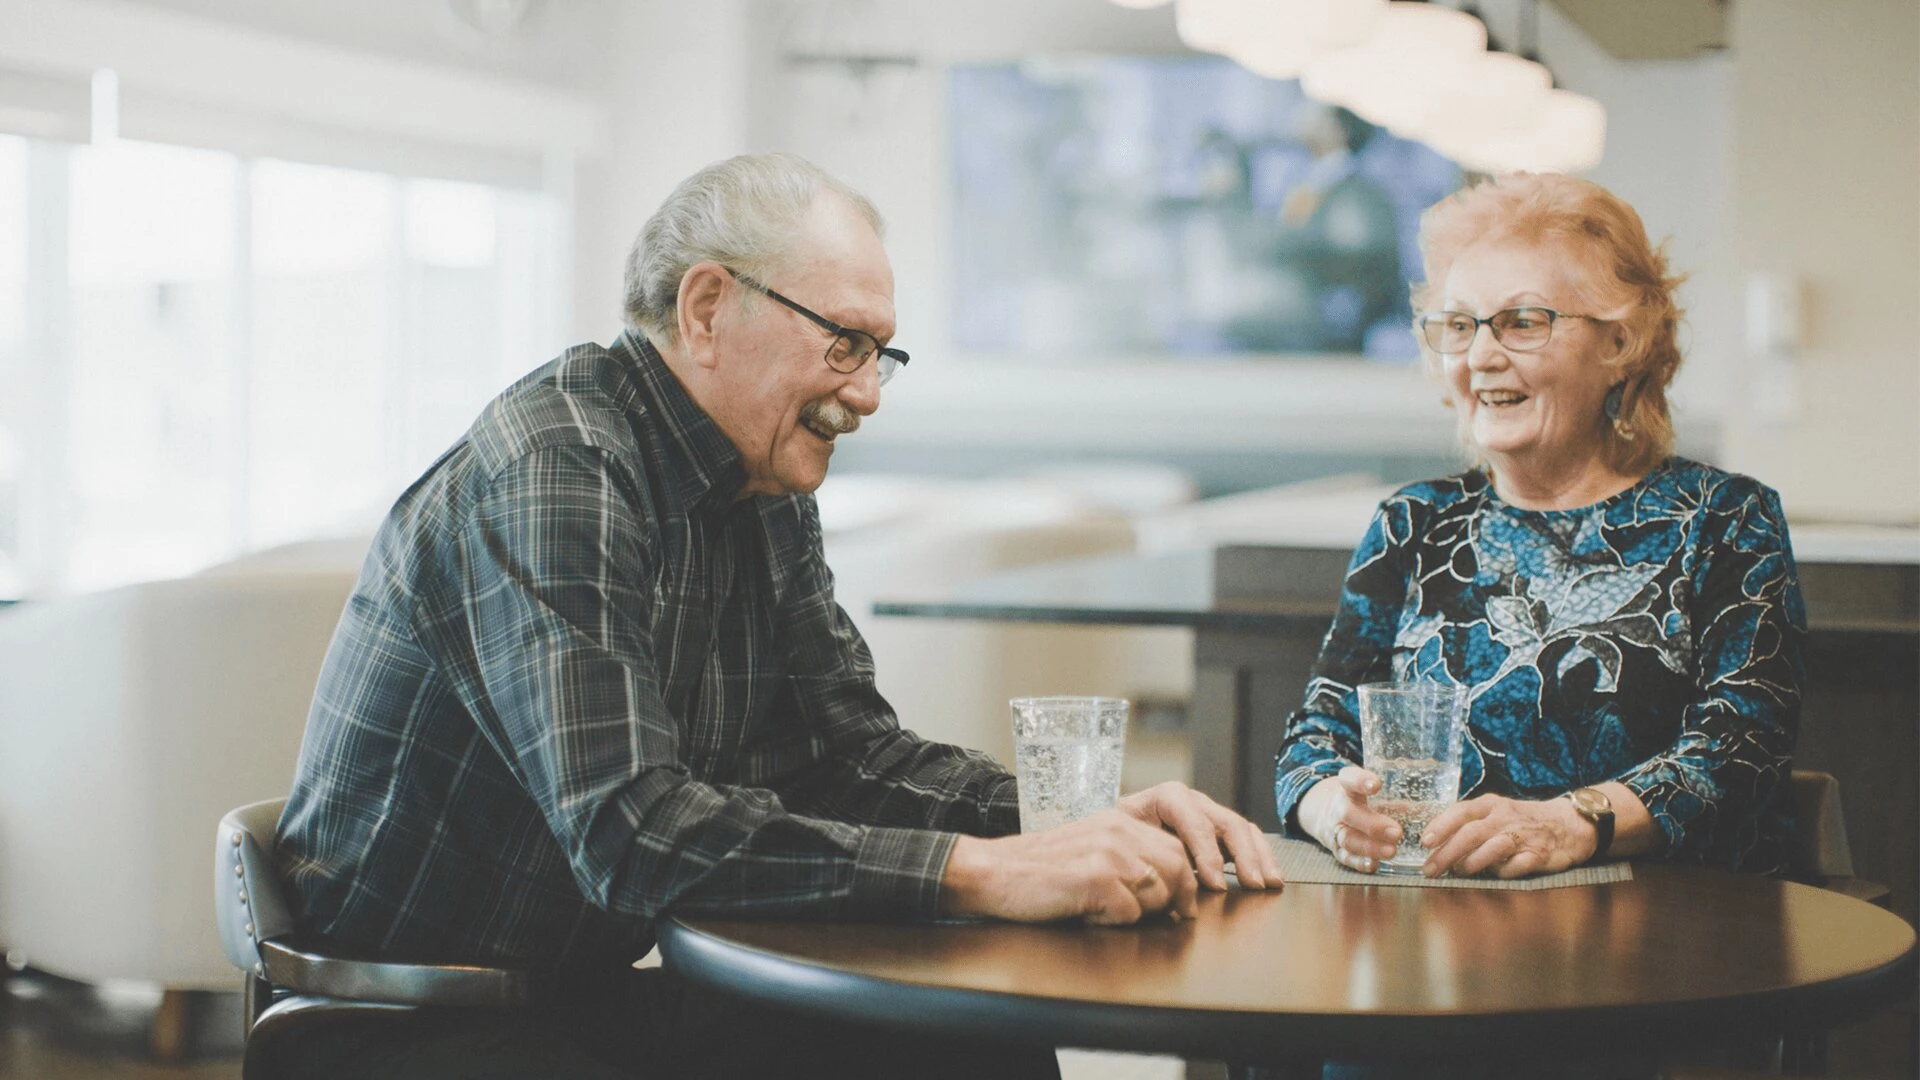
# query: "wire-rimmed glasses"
{"type": "Point", "coordinates": [1522, 329]}
{"type": "Point", "coordinates": [849, 348]}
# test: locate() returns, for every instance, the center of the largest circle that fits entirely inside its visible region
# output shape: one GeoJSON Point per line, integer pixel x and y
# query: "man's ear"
{"type": "Point", "coordinates": [702, 289]}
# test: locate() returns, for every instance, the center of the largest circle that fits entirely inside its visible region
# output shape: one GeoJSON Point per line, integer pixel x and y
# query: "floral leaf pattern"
{"type": "Point", "coordinates": [1654, 638]}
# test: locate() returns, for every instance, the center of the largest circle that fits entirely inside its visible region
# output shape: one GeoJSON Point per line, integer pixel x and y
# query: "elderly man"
{"type": "Point", "coordinates": [593, 672]}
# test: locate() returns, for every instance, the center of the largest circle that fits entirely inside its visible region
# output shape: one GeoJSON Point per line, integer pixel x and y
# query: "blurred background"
{"type": "Point", "coordinates": [261, 261]}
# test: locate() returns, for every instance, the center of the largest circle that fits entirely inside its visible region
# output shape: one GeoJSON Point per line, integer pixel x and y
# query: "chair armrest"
{"type": "Point", "coordinates": [1860, 889]}
{"type": "Point", "coordinates": [292, 964]}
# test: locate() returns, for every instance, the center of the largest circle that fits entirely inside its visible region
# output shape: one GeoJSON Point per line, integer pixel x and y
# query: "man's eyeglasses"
{"type": "Point", "coordinates": [849, 348]}
{"type": "Point", "coordinates": [1522, 329]}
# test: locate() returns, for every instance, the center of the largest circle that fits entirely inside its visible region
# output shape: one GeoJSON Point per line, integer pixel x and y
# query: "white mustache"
{"type": "Point", "coordinates": [830, 416]}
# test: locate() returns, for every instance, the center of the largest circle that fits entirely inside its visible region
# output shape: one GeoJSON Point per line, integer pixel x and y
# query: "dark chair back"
{"type": "Point", "coordinates": [295, 984]}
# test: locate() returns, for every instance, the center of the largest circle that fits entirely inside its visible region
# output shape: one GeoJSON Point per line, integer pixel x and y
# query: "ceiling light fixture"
{"type": "Point", "coordinates": [1290, 34]}
{"type": "Point", "coordinates": [1388, 78]}
{"type": "Point", "coordinates": [1421, 69]}
{"type": "Point", "coordinates": [1493, 95]}
{"type": "Point", "coordinates": [1567, 134]}
{"type": "Point", "coordinates": [1275, 38]}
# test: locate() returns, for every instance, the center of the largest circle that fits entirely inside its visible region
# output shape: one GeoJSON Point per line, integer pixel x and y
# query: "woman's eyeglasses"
{"type": "Point", "coordinates": [1522, 329]}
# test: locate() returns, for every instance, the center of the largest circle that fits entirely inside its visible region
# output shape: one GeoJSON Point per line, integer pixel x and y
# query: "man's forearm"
{"type": "Point", "coordinates": [898, 779]}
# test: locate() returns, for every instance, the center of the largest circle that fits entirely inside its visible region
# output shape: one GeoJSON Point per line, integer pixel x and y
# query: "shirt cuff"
{"type": "Point", "coordinates": [1659, 793]}
{"type": "Point", "coordinates": [897, 872]}
{"type": "Point", "coordinates": [1291, 786]}
{"type": "Point", "coordinates": [1000, 809]}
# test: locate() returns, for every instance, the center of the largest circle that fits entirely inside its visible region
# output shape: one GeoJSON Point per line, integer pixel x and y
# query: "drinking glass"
{"type": "Point", "coordinates": [1411, 735]}
{"type": "Point", "coordinates": [1067, 756]}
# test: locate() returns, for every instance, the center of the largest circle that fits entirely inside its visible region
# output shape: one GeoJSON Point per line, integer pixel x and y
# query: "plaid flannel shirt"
{"type": "Point", "coordinates": [579, 684]}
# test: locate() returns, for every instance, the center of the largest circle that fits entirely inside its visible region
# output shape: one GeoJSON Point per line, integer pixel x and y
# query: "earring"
{"type": "Point", "coordinates": [1612, 406]}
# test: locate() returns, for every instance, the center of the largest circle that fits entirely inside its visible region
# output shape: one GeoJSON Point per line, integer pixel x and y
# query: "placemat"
{"type": "Point", "coordinates": [1308, 863]}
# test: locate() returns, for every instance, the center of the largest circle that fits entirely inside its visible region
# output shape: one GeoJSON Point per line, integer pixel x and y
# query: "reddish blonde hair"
{"type": "Point", "coordinates": [1623, 279]}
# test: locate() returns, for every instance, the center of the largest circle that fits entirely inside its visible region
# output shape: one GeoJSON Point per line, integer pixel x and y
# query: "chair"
{"type": "Point", "coordinates": [1820, 854]}
{"type": "Point", "coordinates": [293, 985]}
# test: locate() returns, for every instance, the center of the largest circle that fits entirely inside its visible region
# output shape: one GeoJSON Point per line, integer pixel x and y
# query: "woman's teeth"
{"type": "Point", "coordinates": [1497, 398]}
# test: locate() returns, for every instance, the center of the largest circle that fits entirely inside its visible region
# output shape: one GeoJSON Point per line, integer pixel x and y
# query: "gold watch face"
{"type": "Point", "coordinates": [1591, 803]}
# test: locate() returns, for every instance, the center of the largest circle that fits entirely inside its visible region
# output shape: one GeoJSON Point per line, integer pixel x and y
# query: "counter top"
{"type": "Point", "coordinates": [1289, 589]}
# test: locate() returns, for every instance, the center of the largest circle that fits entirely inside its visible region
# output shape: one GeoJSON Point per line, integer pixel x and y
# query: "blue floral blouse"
{"type": "Point", "coordinates": [1654, 638]}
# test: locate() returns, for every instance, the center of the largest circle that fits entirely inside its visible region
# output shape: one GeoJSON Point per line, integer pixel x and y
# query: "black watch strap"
{"type": "Point", "coordinates": [1602, 835]}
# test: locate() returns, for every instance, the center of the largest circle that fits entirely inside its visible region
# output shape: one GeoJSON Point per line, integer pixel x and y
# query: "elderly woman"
{"type": "Point", "coordinates": [1627, 623]}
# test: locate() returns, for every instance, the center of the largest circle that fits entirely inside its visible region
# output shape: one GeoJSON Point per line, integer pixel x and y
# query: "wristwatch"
{"type": "Point", "coordinates": [1593, 804]}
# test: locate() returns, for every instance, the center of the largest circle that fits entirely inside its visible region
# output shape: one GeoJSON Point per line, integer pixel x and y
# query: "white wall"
{"type": "Point", "coordinates": [561, 44]}
{"type": "Point", "coordinates": [1669, 155]}
{"type": "Point", "coordinates": [675, 99]}
{"type": "Point", "coordinates": [1826, 190]}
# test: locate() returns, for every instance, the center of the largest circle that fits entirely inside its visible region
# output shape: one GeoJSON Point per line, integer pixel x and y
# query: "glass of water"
{"type": "Point", "coordinates": [1411, 735]}
{"type": "Point", "coordinates": [1067, 755]}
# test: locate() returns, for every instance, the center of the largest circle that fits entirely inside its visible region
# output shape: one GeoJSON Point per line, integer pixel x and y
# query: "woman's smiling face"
{"type": "Point", "coordinates": [1541, 410]}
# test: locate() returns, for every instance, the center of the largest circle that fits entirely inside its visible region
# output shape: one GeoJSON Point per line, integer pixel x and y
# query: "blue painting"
{"type": "Point", "coordinates": [1152, 206]}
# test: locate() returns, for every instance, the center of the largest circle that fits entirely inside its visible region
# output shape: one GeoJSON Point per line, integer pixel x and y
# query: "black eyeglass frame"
{"type": "Point", "coordinates": [888, 361]}
{"type": "Point", "coordinates": [1434, 323]}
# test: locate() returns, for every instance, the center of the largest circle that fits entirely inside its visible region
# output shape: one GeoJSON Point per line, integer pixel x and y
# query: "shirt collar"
{"type": "Point", "coordinates": [713, 473]}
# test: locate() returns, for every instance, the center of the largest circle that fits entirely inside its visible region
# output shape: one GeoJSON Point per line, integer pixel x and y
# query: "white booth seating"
{"type": "Point", "coordinates": [130, 720]}
{"type": "Point", "coordinates": [950, 680]}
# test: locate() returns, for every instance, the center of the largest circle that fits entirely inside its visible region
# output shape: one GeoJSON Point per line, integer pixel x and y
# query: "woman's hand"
{"type": "Point", "coordinates": [1335, 812]}
{"type": "Point", "coordinates": [1509, 837]}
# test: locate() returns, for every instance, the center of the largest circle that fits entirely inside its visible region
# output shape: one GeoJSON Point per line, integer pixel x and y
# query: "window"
{"type": "Point", "coordinates": [387, 312]}
{"type": "Point", "coordinates": [244, 352]}
{"type": "Point", "coordinates": [13, 339]}
{"type": "Point", "coordinates": [326, 298]}
{"type": "Point", "coordinates": [150, 300]}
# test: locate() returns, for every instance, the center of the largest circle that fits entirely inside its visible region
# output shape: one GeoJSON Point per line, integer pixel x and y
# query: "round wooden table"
{"type": "Point", "coordinates": [1349, 971]}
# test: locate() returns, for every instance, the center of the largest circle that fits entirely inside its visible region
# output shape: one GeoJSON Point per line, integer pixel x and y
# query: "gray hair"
{"type": "Point", "coordinates": [743, 213]}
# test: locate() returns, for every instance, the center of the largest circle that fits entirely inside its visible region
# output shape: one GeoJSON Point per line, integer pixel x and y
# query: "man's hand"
{"type": "Point", "coordinates": [1212, 834]}
{"type": "Point", "coordinates": [1114, 867]}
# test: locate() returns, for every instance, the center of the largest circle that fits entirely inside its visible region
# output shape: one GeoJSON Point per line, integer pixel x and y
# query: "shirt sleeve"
{"type": "Point", "coordinates": [872, 772]}
{"type": "Point", "coordinates": [560, 600]}
{"type": "Point", "coordinates": [1707, 791]}
{"type": "Point", "coordinates": [1324, 735]}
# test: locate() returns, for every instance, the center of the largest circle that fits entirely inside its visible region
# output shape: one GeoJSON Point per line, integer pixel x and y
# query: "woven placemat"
{"type": "Point", "coordinates": [1308, 863]}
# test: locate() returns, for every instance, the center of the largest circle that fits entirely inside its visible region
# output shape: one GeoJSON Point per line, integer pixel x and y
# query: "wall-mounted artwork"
{"type": "Point", "coordinates": [1178, 206]}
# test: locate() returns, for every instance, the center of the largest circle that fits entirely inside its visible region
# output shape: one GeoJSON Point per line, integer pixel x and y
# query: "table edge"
{"type": "Point", "coordinates": [801, 985]}
{"type": "Point", "coordinates": [1084, 615]}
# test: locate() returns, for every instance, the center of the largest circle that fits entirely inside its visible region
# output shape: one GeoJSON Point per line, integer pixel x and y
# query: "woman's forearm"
{"type": "Point", "coordinates": [1634, 832]}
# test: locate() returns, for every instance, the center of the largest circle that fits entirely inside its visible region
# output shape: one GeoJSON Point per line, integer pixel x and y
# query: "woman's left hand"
{"type": "Point", "coordinates": [1509, 837]}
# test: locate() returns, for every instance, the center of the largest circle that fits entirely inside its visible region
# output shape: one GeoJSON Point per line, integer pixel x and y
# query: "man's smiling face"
{"type": "Point", "coordinates": [776, 398]}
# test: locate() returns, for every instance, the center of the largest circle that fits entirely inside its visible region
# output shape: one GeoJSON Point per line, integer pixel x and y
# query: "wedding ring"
{"type": "Point", "coordinates": [1339, 837]}
{"type": "Point", "coordinates": [1144, 880]}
